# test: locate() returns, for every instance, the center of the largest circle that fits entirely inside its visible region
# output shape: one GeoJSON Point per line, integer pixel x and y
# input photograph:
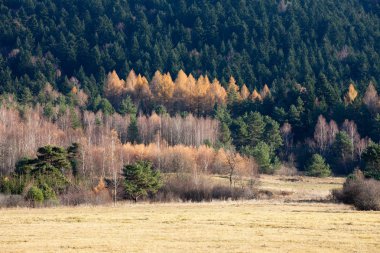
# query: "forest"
{"type": "Point", "coordinates": [195, 88]}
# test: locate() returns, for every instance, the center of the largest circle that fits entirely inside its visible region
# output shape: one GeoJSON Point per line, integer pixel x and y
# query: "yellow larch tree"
{"type": "Point", "coordinates": [203, 86]}
{"type": "Point", "coordinates": [181, 79]}
{"type": "Point", "coordinates": [141, 88]}
{"type": "Point", "coordinates": [265, 92]}
{"type": "Point", "coordinates": [167, 87]}
{"type": "Point", "coordinates": [162, 87]}
{"type": "Point", "coordinates": [219, 93]}
{"type": "Point", "coordinates": [130, 83]}
{"type": "Point", "coordinates": [191, 99]}
{"type": "Point", "coordinates": [181, 90]}
{"type": "Point", "coordinates": [244, 92]}
{"type": "Point", "coordinates": [74, 90]}
{"type": "Point", "coordinates": [351, 94]}
{"type": "Point", "coordinates": [255, 96]}
{"type": "Point", "coordinates": [114, 87]}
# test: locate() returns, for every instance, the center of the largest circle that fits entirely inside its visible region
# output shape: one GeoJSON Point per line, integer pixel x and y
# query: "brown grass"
{"type": "Point", "coordinates": [300, 188]}
{"type": "Point", "coordinates": [214, 227]}
{"type": "Point", "coordinates": [249, 226]}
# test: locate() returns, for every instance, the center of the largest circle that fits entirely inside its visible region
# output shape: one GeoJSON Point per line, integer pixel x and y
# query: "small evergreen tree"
{"type": "Point", "coordinates": [133, 131]}
{"type": "Point", "coordinates": [141, 179]}
{"type": "Point", "coordinates": [318, 167]}
{"type": "Point", "coordinates": [127, 107]}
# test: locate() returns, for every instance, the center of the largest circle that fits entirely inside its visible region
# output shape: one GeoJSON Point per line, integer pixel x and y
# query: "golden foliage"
{"type": "Point", "coordinates": [181, 158]}
{"type": "Point", "coordinates": [256, 96]}
{"type": "Point", "coordinates": [131, 81]}
{"type": "Point", "coordinates": [74, 90]}
{"type": "Point", "coordinates": [114, 86]}
{"type": "Point", "coordinates": [351, 94]}
{"type": "Point", "coordinates": [162, 86]}
{"type": "Point", "coordinates": [244, 92]}
{"type": "Point", "coordinates": [218, 93]}
{"type": "Point", "coordinates": [100, 187]}
{"type": "Point", "coordinates": [181, 79]}
{"type": "Point", "coordinates": [141, 88]}
{"type": "Point", "coordinates": [265, 92]}
{"type": "Point", "coordinates": [186, 93]}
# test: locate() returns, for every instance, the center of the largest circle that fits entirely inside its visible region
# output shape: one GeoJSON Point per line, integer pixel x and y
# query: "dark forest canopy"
{"type": "Point", "coordinates": [277, 76]}
{"type": "Point", "coordinates": [275, 42]}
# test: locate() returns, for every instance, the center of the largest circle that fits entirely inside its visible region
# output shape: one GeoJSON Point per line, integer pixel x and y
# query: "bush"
{"type": "Point", "coordinates": [35, 195]}
{"type": "Point", "coordinates": [318, 167]}
{"type": "Point", "coordinates": [12, 201]}
{"type": "Point", "coordinates": [82, 194]}
{"type": "Point", "coordinates": [222, 192]}
{"type": "Point", "coordinates": [363, 193]}
{"type": "Point", "coordinates": [186, 187]}
{"type": "Point", "coordinates": [286, 170]}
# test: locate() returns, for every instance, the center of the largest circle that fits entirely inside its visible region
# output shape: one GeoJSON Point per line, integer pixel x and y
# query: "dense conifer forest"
{"type": "Point", "coordinates": [266, 84]}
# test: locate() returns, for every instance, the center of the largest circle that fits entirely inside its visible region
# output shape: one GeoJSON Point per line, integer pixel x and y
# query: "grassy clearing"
{"type": "Point", "coordinates": [280, 225]}
{"type": "Point", "coordinates": [300, 188]}
{"type": "Point", "coordinates": [260, 226]}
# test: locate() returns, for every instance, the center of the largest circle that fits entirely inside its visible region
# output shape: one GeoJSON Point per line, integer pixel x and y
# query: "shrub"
{"type": "Point", "coordinates": [197, 194]}
{"type": "Point", "coordinates": [35, 195]}
{"type": "Point", "coordinates": [222, 192]}
{"type": "Point", "coordinates": [83, 194]}
{"type": "Point", "coordinates": [287, 170]}
{"type": "Point", "coordinates": [12, 201]}
{"type": "Point", "coordinates": [318, 167]}
{"type": "Point", "coordinates": [363, 193]}
{"type": "Point", "coordinates": [187, 187]}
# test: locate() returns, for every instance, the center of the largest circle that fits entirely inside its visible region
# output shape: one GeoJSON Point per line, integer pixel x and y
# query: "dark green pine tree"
{"type": "Point", "coordinates": [342, 154]}
{"type": "Point", "coordinates": [133, 135]}
{"type": "Point", "coordinates": [141, 179]}
{"type": "Point", "coordinates": [73, 154]}
{"type": "Point", "coordinates": [256, 128]}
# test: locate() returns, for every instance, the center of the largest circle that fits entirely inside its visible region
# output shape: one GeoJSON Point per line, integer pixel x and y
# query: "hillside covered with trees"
{"type": "Point", "coordinates": [274, 42]}
{"type": "Point", "coordinates": [194, 87]}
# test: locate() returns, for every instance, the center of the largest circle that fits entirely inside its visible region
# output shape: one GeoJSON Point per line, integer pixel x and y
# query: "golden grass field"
{"type": "Point", "coordinates": [244, 226]}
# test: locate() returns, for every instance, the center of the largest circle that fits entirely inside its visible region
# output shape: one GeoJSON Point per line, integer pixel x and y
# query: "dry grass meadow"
{"type": "Point", "coordinates": [287, 224]}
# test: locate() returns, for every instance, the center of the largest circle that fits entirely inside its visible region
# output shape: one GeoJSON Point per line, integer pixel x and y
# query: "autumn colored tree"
{"type": "Point", "coordinates": [114, 88]}
{"type": "Point", "coordinates": [244, 92]}
{"type": "Point", "coordinates": [255, 96]}
{"type": "Point", "coordinates": [162, 87]}
{"type": "Point", "coordinates": [265, 92]}
{"type": "Point", "coordinates": [233, 94]}
{"type": "Point", "coordinates": [351, 94]}
{"type": "Point", "coordinates": [371, 98]}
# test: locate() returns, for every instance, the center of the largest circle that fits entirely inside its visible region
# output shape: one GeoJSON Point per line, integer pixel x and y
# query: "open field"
{"type": "Point", "coordinates": [259, 226]}
{"type": "Point", "coordinates": [279, 225]}
{"type": "Point", "coordinates": [298, 188]}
